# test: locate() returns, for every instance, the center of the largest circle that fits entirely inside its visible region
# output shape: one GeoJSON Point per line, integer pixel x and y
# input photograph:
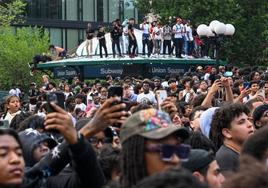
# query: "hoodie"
{"type": "Point", "coordinates": [30, 139]}
{"type": "Point", "coordinates": [205, 120]}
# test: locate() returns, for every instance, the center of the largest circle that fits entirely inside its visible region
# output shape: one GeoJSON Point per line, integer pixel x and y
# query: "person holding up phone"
{"type": "Point", "coordinates": [219, 84]}
{"type": "Point", "coordinates": [254, 87]}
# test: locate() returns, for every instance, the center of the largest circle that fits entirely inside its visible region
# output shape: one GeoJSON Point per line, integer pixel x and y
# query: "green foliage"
{"type": "Point", "coordinates": [18, 45]}
{"type": "Point", "coordinates": [249, 45]}
{"type": "Point", "coordinates": [12, 12]}
{"type": "Point", "coordinates": [17, 48]}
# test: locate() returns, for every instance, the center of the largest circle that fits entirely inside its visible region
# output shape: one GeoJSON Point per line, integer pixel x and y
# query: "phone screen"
{"type": "Point", "coordinates": [161, 95]}
{"type": "Point", "coordinates": [246, 85]}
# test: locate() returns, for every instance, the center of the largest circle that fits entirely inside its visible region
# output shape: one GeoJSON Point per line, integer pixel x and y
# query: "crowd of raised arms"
{"type": "Point", "coordinates": [205, 128]}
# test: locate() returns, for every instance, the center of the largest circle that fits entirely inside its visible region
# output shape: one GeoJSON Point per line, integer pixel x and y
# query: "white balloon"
{"type": "Point", "coordinates": [202, 30]}
{"type": "Point", "coordinates": [220, 28]}
{"type": "Point", "coordinates": [230, 29]}
{"type": "Point", "coordinates": [210, 33]}
{"type": "Point", "coordinates": [213, 24]}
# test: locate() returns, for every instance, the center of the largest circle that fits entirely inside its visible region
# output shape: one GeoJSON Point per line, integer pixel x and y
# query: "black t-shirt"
{"type": "Point", "coordinates": [131, 29]}
{"type": "Point", "coordinates": [33, 93]}
{"type": "Point", "coordinates": [115, 33]}
{"type": "Point", "coordinates": [227, 159]}
{"type": "Point", "coordinates": [173, 93]}
{"type": "Point", "coordinates": [101, 36]}
{"type": "Point", "coordinates": [89, 34]}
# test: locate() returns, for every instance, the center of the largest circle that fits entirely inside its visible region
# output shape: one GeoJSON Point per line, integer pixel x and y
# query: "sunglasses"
{"type": "Point", "coordinates": [167, 151]}
{"type": "Point", "coordinates": [96, 141]}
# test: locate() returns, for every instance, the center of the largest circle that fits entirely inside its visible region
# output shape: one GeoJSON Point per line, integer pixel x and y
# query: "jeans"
{"type": "Point", "coordinates": [103, 45]}
{"type": "Point", "coordinates": [178, 42]}
{"type": "Point", "coordinates": [116, 42]}
{"type": "Point", "coordinates": [167, 44]}
{"type": "Point", "coordinates": [132, 45]}
{"type": "Point", "coordinates": [145, 41]}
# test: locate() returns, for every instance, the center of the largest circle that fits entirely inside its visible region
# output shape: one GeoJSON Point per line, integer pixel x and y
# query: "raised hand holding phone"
{"type": "Point", "coordinates": [161, 95]}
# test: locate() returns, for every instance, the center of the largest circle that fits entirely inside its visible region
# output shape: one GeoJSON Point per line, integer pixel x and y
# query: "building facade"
{"type": "Point", "coordinates": [66, 20]}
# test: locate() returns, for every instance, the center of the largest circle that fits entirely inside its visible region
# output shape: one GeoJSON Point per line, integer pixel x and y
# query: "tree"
{"type": "Point", "coordinates": [11, 12]}
{"type": "Point", "coordinates": [18, 45]}
{"type": "Point", "coordinates": [247, 46]}
{"type": "Point", "coordinates": [17, 48]}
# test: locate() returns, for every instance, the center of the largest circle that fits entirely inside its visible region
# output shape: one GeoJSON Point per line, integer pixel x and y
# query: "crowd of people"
{"type": "Point", "coordinates": [177, 38]}
{"type": "Point", "coordinates": [206, 129]}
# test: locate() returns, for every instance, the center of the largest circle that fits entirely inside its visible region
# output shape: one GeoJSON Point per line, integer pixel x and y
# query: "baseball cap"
{"type": "Point", "coordinates": [152, 124]}
{"type": "Point", "coordinates": [32, 84]}
{"type": "Point", "coordinates": [258, 112]}
{"type": "Point", "coordinates": [198, 159]}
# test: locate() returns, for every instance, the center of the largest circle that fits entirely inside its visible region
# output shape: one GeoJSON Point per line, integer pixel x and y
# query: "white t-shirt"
{"type": "Point", "coordinates": [144, 98]}
{"type": "Point", "coordinates": [247, 98]}
{"type": "Point", "coordinates": [189, 33]}
{"type": "Point", "coordinates": [183, 30]}
{"type": "Point", "coordinates": [177, 30]}
{"type": "Point", "coordinates": [82, 106]}
{"type": "Point", "coordinates": [15, 92]}
{"type": "Point", "coordinates": [157, 33]}
{"type": "Point", "coordinates": [145, 28]}
{"type": "Point", "coordinates": [206, 77]}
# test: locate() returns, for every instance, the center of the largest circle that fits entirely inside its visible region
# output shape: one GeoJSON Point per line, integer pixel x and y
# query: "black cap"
{"type": "Point", "coordinates": [198, 159]}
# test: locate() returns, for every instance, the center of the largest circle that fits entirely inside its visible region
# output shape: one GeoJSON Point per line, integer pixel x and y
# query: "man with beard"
{"type": "Point", "coordinates": [205, 168]}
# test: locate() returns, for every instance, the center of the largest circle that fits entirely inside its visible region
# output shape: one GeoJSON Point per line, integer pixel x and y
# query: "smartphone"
{"type": "Point", "coordinates": [246, 85]}
{"type": "Point", "coordinates": [50, 97]}
{"type": "Point", "coordinates": [116, 91]}
{"type": "Point", "coordinates": [161, 95]}
{"type": "Point", "coordinates": [55, 97]}
{"type": "Point", "coordinates": [4, 124]}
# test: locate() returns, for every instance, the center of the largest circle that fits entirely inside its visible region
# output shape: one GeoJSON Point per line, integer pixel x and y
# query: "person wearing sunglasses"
{"type": "Point", "coordinates": [150, 144]}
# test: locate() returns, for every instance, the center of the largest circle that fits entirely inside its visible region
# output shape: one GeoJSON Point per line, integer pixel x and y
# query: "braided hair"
{"type": "Point", "coordinates": [133, 163]}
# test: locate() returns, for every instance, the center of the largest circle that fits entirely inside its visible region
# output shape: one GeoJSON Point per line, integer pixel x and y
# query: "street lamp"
{"type": "Point", "coordinates": [121, 10]}
{"type": "Point", "coordinates": [214, 34]}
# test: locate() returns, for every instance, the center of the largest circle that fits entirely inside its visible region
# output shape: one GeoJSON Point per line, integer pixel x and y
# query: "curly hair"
{"type": "Point", "coordinates": [133, 167]}
{"type": "Point", "coordinates": [223, 118]}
